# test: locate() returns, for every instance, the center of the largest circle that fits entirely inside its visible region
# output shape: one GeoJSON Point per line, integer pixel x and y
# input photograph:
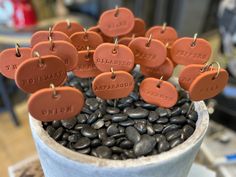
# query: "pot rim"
{"type": "Point", "coordinates": [195, 138]}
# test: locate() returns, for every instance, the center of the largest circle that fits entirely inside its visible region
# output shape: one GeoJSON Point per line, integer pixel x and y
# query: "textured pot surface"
{"type": "Point", "coordinates": [57, 161]}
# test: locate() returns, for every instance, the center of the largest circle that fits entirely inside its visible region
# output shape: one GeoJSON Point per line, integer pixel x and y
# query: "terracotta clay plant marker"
{"type": "Point", "coordinates": [139, 28]}
{"type": "Point", "coordinates": [59, 103]}
{"type": "Point", "coordinates": [168, 49]}
{"type": "Point", "coordinates": [165, 70]}
{"type": "Point", "coordinates": [40, 36]}
{"type": "Point", "coordinates": [10, 59]}
{"type": "Point", "coordinates": [116, 56]}
{"type": "Point", "coordinates": [113, 85]}
{"type": "Point", "coordinates": [208, 84]}
{"type": "Point", "coordinates": [126, 40]}
{"type": "Point", "coordinates": [158, 92]}
{"type": "Point", "coordinates": [148, 52]}
{"type": "Point", "coordinates": [165, 34]}
{"type": "Point", "coordinates": [104, 37]}
{"type": "Point", "coordinates": [86, 67]}
{"type": "Point", "coordinates": [67, 27]}
{"type": "Point", "coordinates": [116, 22]}
{"type": "Point", "coordinates": [86, 38]}
{"type": "Point", "coordinates": [64, 50]}
{"type": "Point", "coordinates": [186, 51]}
{"type": "Point", "coordinates": [38, 72]}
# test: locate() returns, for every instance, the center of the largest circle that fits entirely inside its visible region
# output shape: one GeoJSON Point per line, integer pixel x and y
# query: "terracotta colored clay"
{"type": "Point", "coordinates": [168, 48]}
{"type": "Point", "coordinates": [184, 52]}
{"type": "Point", "coordinates": [65, 104]}
{"type": "Point", "coordinates": [115, 85]}
{"type": "Point", "coordinates": [81, 40]}
{"type": "Point", "coordinates": [139, 28]}
{"type": "Point", "coordinates": [165, 70]}
{"type": "Point", "coordinates": [116, 22]}
{"type": "Point", "coordinates": [64, 50]}
{"type": "Point", "coordinates": [125, 40]}
{"type": "Point", "coordinates": [86, 67]}
{"type": "Point", "coordinates": [34, 74]}
{"type": "Point", "coordinates": [208, 85]}
{"type": "Point", "coordinates": [104, 37]}
{"type": "Point", "coordinates": [188, 74]}
{"type": "Point", "coordinates": [40, 36]}
{"type": "Point", "coordinates": [9, 61]}
{"type": "Point", "coordinates": [108, 56]}
{"type": "Point", "coordinates": [149, 55]}
{"type": "Point", "coordinates": [166, 35]}
{"type": "Point", "coordinates": [68, 28]}
{"type": "Point", "coordinates": [158, 92]}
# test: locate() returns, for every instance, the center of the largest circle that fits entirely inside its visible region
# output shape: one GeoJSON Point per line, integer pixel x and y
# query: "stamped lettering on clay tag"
{"type": "Point", "coordinates": [59, 103]}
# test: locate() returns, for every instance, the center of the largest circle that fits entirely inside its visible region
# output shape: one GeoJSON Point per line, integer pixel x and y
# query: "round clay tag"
{"type": "Point", "coordinates": [81, 40]}
{"type": "Point", "coordinates": [64, 50]}
{"type": "Point", "coordinates": [115, 85]}
{"type": "Point", "coordinates": [185, 51]}
{"type": "Point", "coordinates": [158, 92]}
{"type": "Point", "coordinates": [165, 70]}
{"type": "Point", "coordinates": [10, 60]}
{"type": "Point", "coordinates": [37, 73]}
{"type": "Point", "coordinates": [168, 48]}
{"type": "Point", "coordinates": [125, 40]}
{"type": "Point", "coordinates": [139, 28]}
{"type": "Point", "coordinates": [86, 67]}
{"type": "Point", "coordinates": [118, 57]}
{"type": "Point", "coordinates": [68, 27]}
{"type": "Point", "coordinates": [44, 36]}
{"type": "Point", "coordinates": [165, 34]}
{"type": "Point", "coordinates": [49, 104]}
{"type": "Point", "coordinates": [104, 37]}
{"type": "Point", "coordinates": [208, 85]}
{"type": "Point", "coordinates": [148, 54]}
{"type": "Point", "coordinates": [188, 74]}
{"type": "Point", "coordinates": [116, 22]}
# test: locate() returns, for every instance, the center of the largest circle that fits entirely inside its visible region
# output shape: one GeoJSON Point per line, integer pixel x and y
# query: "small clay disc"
{"type": "Point", "coordinates": [68, 27]}
{"type": "Point", "coordinates": [86, 67]}
{"type": "Point", "coordinates": [208, 85]}
{"type": "Point", "coordinates": [148, 55]}
{"type": "Point", "coordinates": [64, 50]}
{"type": "Point", "coordinates": [185, 52]}
{"type": "Point", "coordinates": [109, 56]}
{"type": "Point", "coordinates": [81, 40]}
{"type": "Point", "coordinates": [40, 36]}
{"type": "Point", "coordinates": [115, 85]}
{"type": "Point", "coordinates": [158, 92]}
{"type": "Point", "coordinates": [116, 22]}
{"type": "Point", "coordinates": [10, 60]}
{"type": "Point", "coordinates": [62, 103]}
{"type": "Point", "coordinates": [34, 74]}
{"type": "Point", "coordinates": [104, 37]}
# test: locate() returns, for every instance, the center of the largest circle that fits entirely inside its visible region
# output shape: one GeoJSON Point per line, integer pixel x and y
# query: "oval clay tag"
{"type": "Point", "coordinates": [165, 70]}
{"type": "Point", "coordinates": [208, 85]}
{"type": "Point", "coordinates": [104, 37]}
{"type": "Point", "coordinates": [81, 40]}
{"type": "Point", "coordinates": [86, 67]}
{"type": "Point", "coordinates": [64, 50]}
{"type": "Point", "coordinates": [65, 104]}
{"type": "Point", "coordinates": [115, 85]}
{"type": "Point", "coordinates": [139, 28]}
{"type": "Point", "coordinates": [116, 22]}
{"type": "Point", "coordinates": [68, 27]}
{"type": "Point", "coordinates": [164, 34]}
{"type": "Point", "coordinates": [107, 56]}
{"type": "Point", "coordinates": [158, 92]}
{"type": "Point", "coordinates": [10, 60]}
{"type": "Point", "coordinates": [185, 51]}
{"type": "Point", "coordinates": [35, 74]}
{"type": "Point", "coordinates": [40, 36]}
{"type": "Point", "coordinates": [152, 54]}
{"type": "Point", "coordinates": [188, 74]}
{"type": "Point", "coordinates": [125, 40]}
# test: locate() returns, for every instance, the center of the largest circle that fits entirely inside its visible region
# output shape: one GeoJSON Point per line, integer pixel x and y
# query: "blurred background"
{"type": "Point", "coordinates": [214, 20]}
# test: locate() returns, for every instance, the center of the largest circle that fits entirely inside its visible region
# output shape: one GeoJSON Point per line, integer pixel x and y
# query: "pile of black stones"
{"type": "Point", "coordinates": [125, 128]}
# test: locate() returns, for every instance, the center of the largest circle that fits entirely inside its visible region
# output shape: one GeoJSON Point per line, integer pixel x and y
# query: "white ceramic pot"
{"type": "Point", "coordinates": [57, 161]}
